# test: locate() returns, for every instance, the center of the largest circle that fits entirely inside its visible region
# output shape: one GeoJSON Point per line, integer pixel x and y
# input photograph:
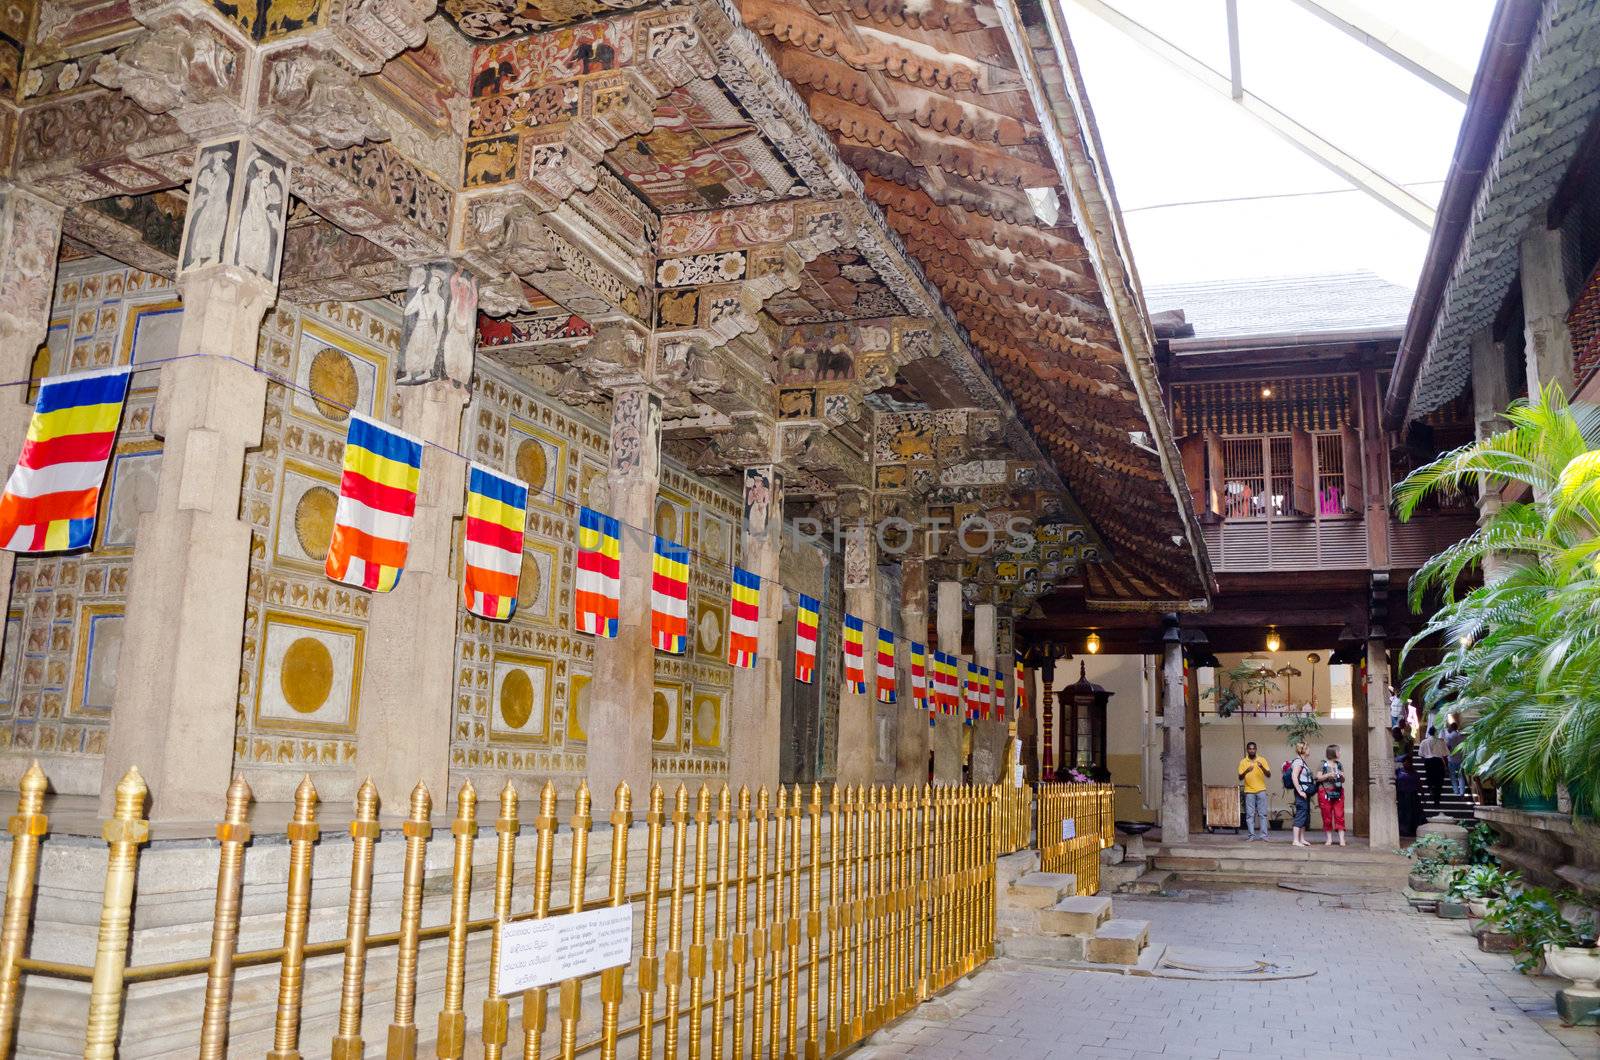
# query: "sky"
{"type": "Point", "coordinates": [1210, 193]}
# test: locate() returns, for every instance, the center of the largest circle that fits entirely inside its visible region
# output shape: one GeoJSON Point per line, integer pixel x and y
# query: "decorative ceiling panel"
{"type": "Point", "coordinates": [490, 20]}
{"type": "Point", "coordinates": [839, 285]}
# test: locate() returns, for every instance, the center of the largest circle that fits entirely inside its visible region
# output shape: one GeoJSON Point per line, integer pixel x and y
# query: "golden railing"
{"type": "Point", "coordinates": [797, 928]}
{"type": "Point", "coordinates": [1076, 848]}
{"type": "Point", "coordinates": [1013, 817]}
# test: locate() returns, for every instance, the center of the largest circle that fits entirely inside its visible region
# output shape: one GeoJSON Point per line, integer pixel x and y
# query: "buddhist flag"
{"type": "Point", "coordinates": [805, 639]}
{"type": "Point", "coordinates": [669, 597]}
{"type": "Point", "coordinates": [885, 666]}
{"type": "Point", "coordinates": [969, 691]}
{"type": "Point", "coordinates": [986, 701]}
{"type": "Point", "coordinates": [377, 498]}
{"type": "Point", "coordinates": [744, 615]}
{"type": "Point", "coordinates": [919, 678]}
{"type": "Point", "coordinates": [597, 593]}
{"type": "Point", "coordinates": [53, 493]}
{"type": "Point", "coordinates": [497, 511]}
{"type": "Point", "coordinates": [944, 677]}
{"type": "Point", "coordinates": [855, 665]}
{"type": "Point", "coordinates": [1019, 690]}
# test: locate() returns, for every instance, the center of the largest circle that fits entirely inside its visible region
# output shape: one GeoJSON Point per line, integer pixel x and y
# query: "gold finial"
{"type": "Point", "coordinates": [421, 802]}
{"type": "Point", "coordinates": [305, 798]}
{"type": "Point", "coordinates": [658, 799]}
{"type": "Point", "coordinates": [131, 792]}
{"type": "Point", "coordinates": [367, 800]}
{"type": "Point", "coordinates": [238, 800]}
{"type": "Point", "coordinates": [33, 785]}
{"type": "Point", "coordinates": [583, 797]}
{"type": "Point", "coordinates": [508, 800]}
{"type": "Point", "coordinates": [547, 799]}
{"type": "Point", "coordinates": [466, 799]}
{"type": "Point", "coordinates": [623, 799]}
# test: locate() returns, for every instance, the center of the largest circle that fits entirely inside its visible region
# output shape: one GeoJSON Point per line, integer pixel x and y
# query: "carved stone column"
{"type": "Point", "coordinates": [31, 229]}
{"type": "Point", "coordinates": [183, 646]}
{"type": "Point", "coordinates": [755, 719]}
{"type": "Point", "coordinates": [1174, 754]}
{"type": "Point", "coordinates": [947, 727]}
{"type": "Point", "coordinates": [858, 736]}
{"type": "Point", "coordinates": [1383, 818]}
{"type": "Point", "coordinates": [913, 737]}
{"type": "Point", "coordinates": [409, 680]}
{"type": "Point", "coordinates": [622, 694]}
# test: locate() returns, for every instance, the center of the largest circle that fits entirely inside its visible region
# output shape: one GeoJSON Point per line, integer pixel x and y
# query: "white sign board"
{"type": "Point", "coordinates": [1069, 828]}
{"type": "Point", "coordinates": [541, 952]}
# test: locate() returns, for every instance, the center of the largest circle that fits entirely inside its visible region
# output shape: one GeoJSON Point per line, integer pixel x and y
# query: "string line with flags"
{"type": "Point", "coordinates": [497, 512]}
{"type": "Point", "coordinates": [377, 500]}
{"type": "Point", "coordinates": [805, 638]}
{"type": "Point", "coordinates": [53, 493]}
{"type": "Point", "coordinates": [597, 588]}
{"type": "Point", "coordinates": [855, 666]}
{"type": "Point", "coordinates": [52, 498]}
{"type": "Point", "coordinates": [744, 615]}
{"type": "Point", "coordinates": [669, 597]}
{"type": "Point", "coordinates": [886, 689]}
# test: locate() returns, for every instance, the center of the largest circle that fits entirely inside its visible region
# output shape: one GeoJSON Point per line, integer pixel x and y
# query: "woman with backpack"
{"type": "Point", "coordinates": [1302, 782]}
{"type": "Point", "coordinates": [1330, 795]}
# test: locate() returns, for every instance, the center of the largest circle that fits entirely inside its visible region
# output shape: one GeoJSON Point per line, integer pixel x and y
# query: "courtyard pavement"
{"type": "Point", "coordinates": [1389, 982]}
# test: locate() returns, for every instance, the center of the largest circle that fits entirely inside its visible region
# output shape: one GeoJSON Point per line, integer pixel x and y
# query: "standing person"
{"type": "Point", "coordinates": [1397, 708]}
{"type": "Point", "coordinates": [1435, 753]}
{"type": "Point", "coordinates": [1330, 795]}
{"type": "Point", "coordinates": [1303, 782]}
{"type": "Point", "coordinates": [1452, 740]}
{"type": "Point", "coordinates": [1253, 773]}
{"type": "Point", "coordinates": [1408, 795]}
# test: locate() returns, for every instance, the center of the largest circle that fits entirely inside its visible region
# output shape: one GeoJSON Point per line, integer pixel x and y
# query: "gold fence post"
{"type": "Point", "coordinates": [697, 930]}
{"type": "Point", "coordinates": [673, 958]}
{"type": "Point", "coordinates": [125, 833]}
{"type": "Point", "coordinates": [836, 850]}
{"type": "Point", "coordinates": [648, 967]}
{"type": "Point", "coordinates": [775, 932]}
{"type": "Point", "coordinates": [860, 894]}
{"type": "Point", "coordinates": [846, 916]}
{"type": "Point", "coordinates": [741, 936]}
{"type": "Point", "coordinates": [534, 1002]}
{"type": "Point", "coordinates": [719, 944]}
{"type": "Point", "coordinates": [577, 879]}
{"type": "Point", "coordinates": [924, 841]}
{"type": "Point", "coordinates": [617, 896]}
{"type": "Point", "coordinates": [814, 924]}
{"type": "Point", "coordinates": [232, 834]}
{"type": "Point", "coordinates": [417, 830]}
{"type": "Point", "coordinates": [303, 834]}
{"type": "Point", "coordinates": [758, 934]}
{"type": "Point", "coordinates": [452, 1040]}
{"type": "Point", "coordinates": [496, 1010]}
{"type": "Point", "coordinates": [28, 827]}
{"type": "Point", "coordinates": [876, 835]}
{"type": "Point", "coordinates": [792, 1018]}
{"type": "Point", "coordinates": [347, 1044]}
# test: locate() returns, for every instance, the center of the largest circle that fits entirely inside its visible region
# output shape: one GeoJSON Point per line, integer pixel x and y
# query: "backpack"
{"type": "Point", "coordinates": [1288, 775]}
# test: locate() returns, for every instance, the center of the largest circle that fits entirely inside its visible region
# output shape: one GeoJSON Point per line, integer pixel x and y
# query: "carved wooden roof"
{"type": "Point", "coordinates": [927, 103]}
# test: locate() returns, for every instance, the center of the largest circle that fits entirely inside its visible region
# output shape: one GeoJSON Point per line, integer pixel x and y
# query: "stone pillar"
{"type": "Point", "coordinates": [1383, 820]}
{"type": "Point", "coordinates": [756, 708]}
{"type": "Point", "coordinates": [947, 759]}
{"type": "Point", "coordinates": [858, 735]}
{"type": "Point", "coordinates": [1545, 302]}
{"type": "Point", "coordinates": [178, 683]}
{"type": "Point", "coordinates": [988, 736]}
{"type": "Point", "coordinates": [408, 684]}
{"type": "Point", "coordinates": [31, 229]}
{"type": "Point", "coordinates": [912, 741]}
{"type": "Point", "coordinates": [622, 695]}
{"type": "Point", "coordinates": [1491, 393]}
{"type": "Point", "coordinates": [1174, 755]}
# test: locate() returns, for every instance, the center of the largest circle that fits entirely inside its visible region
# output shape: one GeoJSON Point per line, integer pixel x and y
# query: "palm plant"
{"type": "Point", "coordinates": [1524, 647]}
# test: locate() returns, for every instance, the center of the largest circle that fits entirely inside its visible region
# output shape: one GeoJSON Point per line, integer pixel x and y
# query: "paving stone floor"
{"type": "Point", "coordinates": [1390, 983]}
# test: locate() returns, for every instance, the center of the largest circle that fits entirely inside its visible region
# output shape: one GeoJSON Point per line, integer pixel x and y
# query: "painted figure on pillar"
{"type": "Point", "coordinates": [208, 213]}
{"type": "Point", "coordinates": [261, 216]}
{"type": "Point", "coordinates": [761, 499]}
{"type": "Point", "coordinates": [440, 313]}
{"type": "Point", "coordinates": [635, 422]}
{"type": "Point", "coordinates": [857, 559]}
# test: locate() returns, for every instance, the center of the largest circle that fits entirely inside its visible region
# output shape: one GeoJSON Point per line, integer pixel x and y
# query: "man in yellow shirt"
{"type": "Point", "coordinates": [1254, 771]}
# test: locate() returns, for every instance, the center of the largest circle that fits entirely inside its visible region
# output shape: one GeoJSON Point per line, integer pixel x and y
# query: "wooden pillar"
{"type": "Point", "coordinates": [1383, 823]}
{"type": "Point", "coordinates": [1358, 790]}
{"type": "Point", "coordinates": [857, 752]}
{"type": "Point", "coordinates": [756, 708]}
{"type": "Point", "coordinates": [947, 727]}
{"type": "Point", "coordinates": [1191, 747]}
{"type": "Point", "coordinates": [913, 737]}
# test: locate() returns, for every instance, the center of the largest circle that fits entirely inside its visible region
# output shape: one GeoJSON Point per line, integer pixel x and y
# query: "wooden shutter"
{"type": "Point", "coordinates": [1303, 467]}
{"type": "Point", "coordinates": [1192, 451]}
{"type": "Point", "coordinates": [1354, 470]}
{"type": "Point", "coordinates": [1218, 472]}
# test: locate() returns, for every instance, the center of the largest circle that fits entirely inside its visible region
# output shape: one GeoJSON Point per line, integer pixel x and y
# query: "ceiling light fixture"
{"type": "Point", "coordinates": [1274, 642]}
{"type": "Point", "coordinates": [1092, 645]}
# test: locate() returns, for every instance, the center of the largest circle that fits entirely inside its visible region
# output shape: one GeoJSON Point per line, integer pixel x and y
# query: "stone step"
{"type": "Point", "coordinates": [1266, 861]}
{"type": "Point", "coordinates": [1034, 947]}
{"type": "Point", "coordinates": [1114, 877]}
{"type": "Point", "coordinates": [1075, 915]}
{"type": "Point", "coordinates": [1153, 881]}
{"type": "Point", "coordinates": [1041, 890]}
{"type": "Point", "coordinates": [1118, 942]}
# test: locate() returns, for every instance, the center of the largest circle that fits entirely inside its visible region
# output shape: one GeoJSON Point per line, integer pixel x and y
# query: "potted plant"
{"type": "Point", "coordinates": [1581, 964]}
{"type": "Point", "coordinates": [1475, 885]}
{"type": "Point", "coordinates": [1432, 857]}
{"type": "Point", "coordinates": [1534, 919]}
{"type": "Point", "coordinates": [1300, 728]}
{"type": "Point", "coordinates": [1276, 819]}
